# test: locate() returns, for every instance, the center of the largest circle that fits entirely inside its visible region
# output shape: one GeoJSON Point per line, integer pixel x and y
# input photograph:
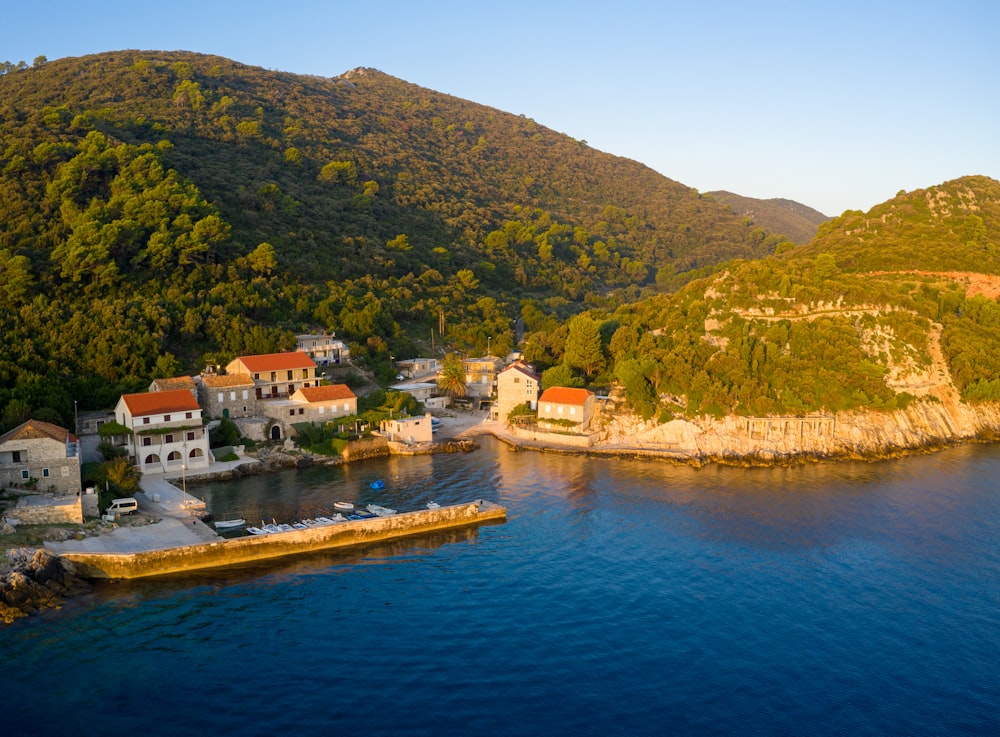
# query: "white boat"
{"type": "Point", "coordinates": [229, 524]}
{"type": "Point", "coordinates": [338, 517]}
{"type": "Point", "coordinates": [256, 531]}
{"type": "Point", "coordinates": [433, 505]}
{"type": "Point", "coordinates": [381, 511]}
{"type": "Point", "coordinates": [346, 506]}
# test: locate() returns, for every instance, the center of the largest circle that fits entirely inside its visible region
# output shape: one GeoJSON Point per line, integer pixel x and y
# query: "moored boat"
{"type": "Point", "coordinates": [229, 524]}
{"type": "Point", "coordinates": [346, 506]}
{"type": "Point", "coordinates": [381, 511]}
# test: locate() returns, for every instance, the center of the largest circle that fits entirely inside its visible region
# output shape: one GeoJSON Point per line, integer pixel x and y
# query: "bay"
{"type": "Point", "coordinates": [620, 597]}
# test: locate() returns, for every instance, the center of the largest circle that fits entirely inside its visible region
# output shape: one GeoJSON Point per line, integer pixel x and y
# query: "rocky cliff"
{"type": "Point", "coordinates": [926, 423]}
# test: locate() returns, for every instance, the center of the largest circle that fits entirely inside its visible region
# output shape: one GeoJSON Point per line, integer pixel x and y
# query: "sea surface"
{"type": "Point", "coordinates": [619, 598]}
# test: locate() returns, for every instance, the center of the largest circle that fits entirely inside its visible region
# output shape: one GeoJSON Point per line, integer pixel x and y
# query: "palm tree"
{"type": "Point", "coordinates": [451, 377]}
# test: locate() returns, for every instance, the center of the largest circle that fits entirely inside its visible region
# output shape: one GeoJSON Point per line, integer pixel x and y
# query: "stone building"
{"type": "Point", "coordinates": [276, 375]}
{"type": "Point", "coordinates": [40, 455]}
{"type": "Point", "coordinates": [481, 376]}
{"type": "Point", "coordinates": [230, 396]}
{"type": "Point", "coordinates": [175, 382]}
{"type": "Point", "coordinates": [516, 385]}
{"type": "Point", "coordinates": [314, 404]}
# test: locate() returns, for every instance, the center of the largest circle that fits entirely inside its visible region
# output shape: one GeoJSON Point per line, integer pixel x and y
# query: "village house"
{"type": "Point", "coordinates": [40, 455]}
{"type": "Point", "coordinates": [411, 368]}
{"type": "Point", "coordinates": [276, 375]}
{"type": "Point", "coordinates": [314, 404]}
{"type": "Point", "coordinates": [227, 396]}
{"type": "Point", "coordinates": [481, 376]}
{"type": "Point", "coordinates": [165, 431]}
{"type": "Point", "coordinates": [566, 409]}
{"type": "Point", "coordinates": [324, 350]}
{"type": "Point", "coordinates": [516, 385]}
{"type": "Point", "coordinates": [176, 382]}
{"type": "Point", "coordinates": [409, 430]}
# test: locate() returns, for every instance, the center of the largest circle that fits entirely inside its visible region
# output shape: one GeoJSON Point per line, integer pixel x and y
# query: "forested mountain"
{"type": "Point", "coordinates": [162, 210]}
{"type": "Point", "coordinates": [880, 309]}
{"type": "Point", "coordinates": [795, 221]}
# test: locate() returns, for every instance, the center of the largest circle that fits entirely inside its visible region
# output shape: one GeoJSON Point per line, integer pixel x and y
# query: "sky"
{"type": "Point", "coordinates": [837, 105]}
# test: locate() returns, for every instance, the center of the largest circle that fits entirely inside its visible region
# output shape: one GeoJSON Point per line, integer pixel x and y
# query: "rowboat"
{"type": "Point", "coordinates": [229, 524]}
{"type": "Point", "coordinates": [346, 506]}
{"type": "Point", "coordinates": [381, 511]}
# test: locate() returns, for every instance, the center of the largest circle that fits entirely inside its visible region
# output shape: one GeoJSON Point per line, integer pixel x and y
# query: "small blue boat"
{"type": "Point", "coordinates": [378, 484]}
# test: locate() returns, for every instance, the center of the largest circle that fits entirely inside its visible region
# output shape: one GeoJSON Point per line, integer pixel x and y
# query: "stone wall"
{"type": "Point", "coordinates": [552, 438]}
{"type": "Point", "coordinates": [360, 450]}
{"type": "Point", "coordinates": [49, 510]}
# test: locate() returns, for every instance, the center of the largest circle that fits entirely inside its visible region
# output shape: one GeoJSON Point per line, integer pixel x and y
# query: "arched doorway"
{"type": "Point", "coordinates": [275, 432]}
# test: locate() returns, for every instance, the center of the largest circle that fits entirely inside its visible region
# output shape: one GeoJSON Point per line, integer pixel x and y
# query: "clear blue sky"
{"type": "Point", "coordinates": [838, 105]}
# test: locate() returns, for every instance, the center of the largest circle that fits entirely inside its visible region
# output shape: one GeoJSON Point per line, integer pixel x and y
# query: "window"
{"type": "Point", "coordinates": [256, 377]}
{"type": "Point", "coordinates": [25, 475]}
{"type": "Point", "coordinates": [221, 396]}
{"type": "Point", "coordinates": [322, 410]}
{"type": "Point", "coordinates": [290, 377]}
{"type": "Point", "coordinates": [187, 415]}
{"type": "Point", "coordinates": [169, 438]}
{"type": "Point", "coordinates": [517, 380]}
{"type": "Point", "coordinates": [190, 435]}
{"type": "Point", "coordinates": [145, 420]}
{"type": "Point", "coordinates": [572, 410]}
{"type": "Point", "coordinates": [45, 473]}
{"type": "Point", "coordinates": [301, 410]}
{"type": "Point", "coordinates": [232, 396]}
{"type": "Point", "coordinates": [16, 456]}
{"type": "Point", "coordinates": [147, 441]}
{"type": "Point", "coordinates": [245, 396]}
{"type": "Point", "coordinates": [166, 418]}
{"type": "Point", "coordinates": [347, 407]}
{"type": "Point", "coordinates": [291, 412]}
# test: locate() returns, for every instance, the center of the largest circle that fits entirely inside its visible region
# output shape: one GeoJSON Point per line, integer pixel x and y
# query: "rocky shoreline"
{"type": "Point", "coordinates": [32, 580]}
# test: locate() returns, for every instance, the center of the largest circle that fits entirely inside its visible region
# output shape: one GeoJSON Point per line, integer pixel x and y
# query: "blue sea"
{"type": "Point", "coordinates": [620, 597]}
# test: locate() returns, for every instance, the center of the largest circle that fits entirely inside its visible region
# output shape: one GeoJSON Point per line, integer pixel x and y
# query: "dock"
{"type": "Point", "coordinates": [222, 552]}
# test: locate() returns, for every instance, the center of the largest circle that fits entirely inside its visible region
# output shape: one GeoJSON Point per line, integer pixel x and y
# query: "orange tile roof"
{"type": "Point", "coordinates": [277, 361]}
{"type": "Point", "coordinates": [564, 395]}
{"type": "Point", "coordinates": [155, 403]}
{"type": "Point", "coordinates": [327, 393]}
{"type": "Point", "coordinates": [37, 429]}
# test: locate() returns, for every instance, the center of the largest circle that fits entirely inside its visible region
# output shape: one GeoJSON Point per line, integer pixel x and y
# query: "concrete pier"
{"type": "Point", "coordinates": [225, 552]}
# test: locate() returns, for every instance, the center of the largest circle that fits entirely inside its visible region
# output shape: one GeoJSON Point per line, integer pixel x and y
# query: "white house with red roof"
{"type": "Point", "coordinates": [166, 432]}
{"type": "Point", "coordinates": [314, 404]}
{"type": "Point", "coordinates": [565, 408]}
{"type": "Point", "coordinates": [276, 375]}
{"type": "Point", "coordinates": [40, 455]}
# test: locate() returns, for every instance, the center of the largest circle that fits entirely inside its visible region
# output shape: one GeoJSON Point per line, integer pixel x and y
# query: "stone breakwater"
{"type": "Point", "coordinates": [228, 552]}
{"type": "Point", "coordinates": [35, 580]}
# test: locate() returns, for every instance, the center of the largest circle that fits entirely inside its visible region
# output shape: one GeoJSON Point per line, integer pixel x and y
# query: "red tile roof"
{"type": "Point", "coordinates": [158, 403]}
{"type": "Point", "coordinates": [564, 395]}
{"type": "Point", "coordinates": [327, 393]}
{"type": "Point", "coordinates": [277, 362]}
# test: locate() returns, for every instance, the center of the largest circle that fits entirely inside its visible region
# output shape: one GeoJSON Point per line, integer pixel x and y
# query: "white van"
{"type": "Point", "coordinates": [126, 505]}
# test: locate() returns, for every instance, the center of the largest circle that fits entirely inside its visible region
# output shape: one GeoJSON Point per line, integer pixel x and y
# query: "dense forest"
{"type": "Point", "coordinates": [848, 321]}
{"type": "Point", "coordinates": [161, 211]}
{"type": "Point", "coordinates": [796, 221]}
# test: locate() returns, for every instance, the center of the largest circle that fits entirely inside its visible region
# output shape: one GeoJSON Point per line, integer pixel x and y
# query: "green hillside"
{"type": "Point", "coordinates": [163, 210]}
{"type": "Point", "coordinates": [878, 310]}
{"type": "Point", "coordinates": [795, 221]}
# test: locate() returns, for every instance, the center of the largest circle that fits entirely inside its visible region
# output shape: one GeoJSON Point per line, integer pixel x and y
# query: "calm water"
{"type": "Point", "coordinates": [626, 598]}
